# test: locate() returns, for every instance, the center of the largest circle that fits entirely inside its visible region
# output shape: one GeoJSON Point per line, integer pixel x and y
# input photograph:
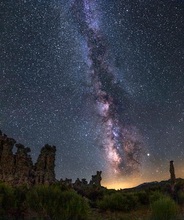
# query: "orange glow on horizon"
{"type": "Point", "coordinates": [119, 185]}
{"type": "Point", "coordinates": [133, 181]}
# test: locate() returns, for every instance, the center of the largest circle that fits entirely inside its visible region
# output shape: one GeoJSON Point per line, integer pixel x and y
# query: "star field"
{"type": "Point", "coordinates": [45, 85]}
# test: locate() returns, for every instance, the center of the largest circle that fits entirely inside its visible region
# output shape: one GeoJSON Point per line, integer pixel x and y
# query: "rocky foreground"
{"type": "Point", "coordinates": [18, 168]}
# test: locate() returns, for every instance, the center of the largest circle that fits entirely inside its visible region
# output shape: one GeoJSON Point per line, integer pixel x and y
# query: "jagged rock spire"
{"type": "Point", "coordinates": [18, 168]}
{"type": "Point", "coordinates": [44, 167]}
{"type": "Point", "coordinates": [172, 172]}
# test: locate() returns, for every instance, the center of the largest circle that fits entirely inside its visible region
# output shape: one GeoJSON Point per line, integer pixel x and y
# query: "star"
{"type": "Point", "coordinates": [103, 82]}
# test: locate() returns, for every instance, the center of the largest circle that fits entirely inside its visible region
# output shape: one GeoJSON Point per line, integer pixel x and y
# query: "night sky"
{"type": "Point", "coordinates": [102, 80]}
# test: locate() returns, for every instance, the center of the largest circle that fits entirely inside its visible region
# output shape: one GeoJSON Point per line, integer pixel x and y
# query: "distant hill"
{"type": "Point", "coordinates": [157, 185]}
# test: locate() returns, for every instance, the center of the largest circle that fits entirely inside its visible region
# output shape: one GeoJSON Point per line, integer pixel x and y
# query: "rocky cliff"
{"type": "Point", "coordinates": [18, 168]}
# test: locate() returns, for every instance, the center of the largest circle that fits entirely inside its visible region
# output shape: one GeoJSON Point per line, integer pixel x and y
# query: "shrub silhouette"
{"type": "Point", "coordinates": [143, 197]}
{"type": "Point", "coordinates": [118, 202]}
{"type": "Point", "coordinates": [164, 209]}
{"type": "Point", "coordinates": [180, 197]}
{"type": "Point", "coordinates": [7, 199]}
{"type": "Point", "coordinates": [50, 201]}
{"type": "Point", "coordinates": [155, 195]}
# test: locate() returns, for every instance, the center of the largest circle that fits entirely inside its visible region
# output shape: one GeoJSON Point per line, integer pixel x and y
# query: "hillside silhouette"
{"type": "Point", "coordinates": [31, 191]}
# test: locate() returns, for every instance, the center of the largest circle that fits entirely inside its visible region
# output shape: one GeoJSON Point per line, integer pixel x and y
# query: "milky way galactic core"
{"type": "Point", "coordinates": [121, 141]}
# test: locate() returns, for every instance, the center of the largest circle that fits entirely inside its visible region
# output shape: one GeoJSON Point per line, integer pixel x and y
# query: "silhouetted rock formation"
{"type": "Point", "coordinates": [7, 159]}
{"type": "Point", "coordinates": [96, 179]}
{"type": "Point", "coordinates": [80, 185]}
{"type": "Point", "coordinates": [172, 179]}
{"type": "Point", "coordinates": [18, 168]}
{"type": "Point", "coordinates": [67, 182]}
{"type": "Point", "coordinates": [44, 167]}
{"type": "Point", "coordinates": [172, 172]}
{"type": "Point", "coordinates": [24, 172]}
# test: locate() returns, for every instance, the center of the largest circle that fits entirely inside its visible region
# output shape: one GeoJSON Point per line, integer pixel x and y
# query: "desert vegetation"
{"type": "Point", "coordinates": [31, 191]}
{"type": "Point", "coordinates": [41, 202]}
{"type": "Point", "coordinates": [59, 202]}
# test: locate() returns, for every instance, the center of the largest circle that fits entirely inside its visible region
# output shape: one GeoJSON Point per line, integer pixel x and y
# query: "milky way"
{"type": "Point", "coordinates": [102, 80]}
{"type": "Point", "coordinates": [121, 142]}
